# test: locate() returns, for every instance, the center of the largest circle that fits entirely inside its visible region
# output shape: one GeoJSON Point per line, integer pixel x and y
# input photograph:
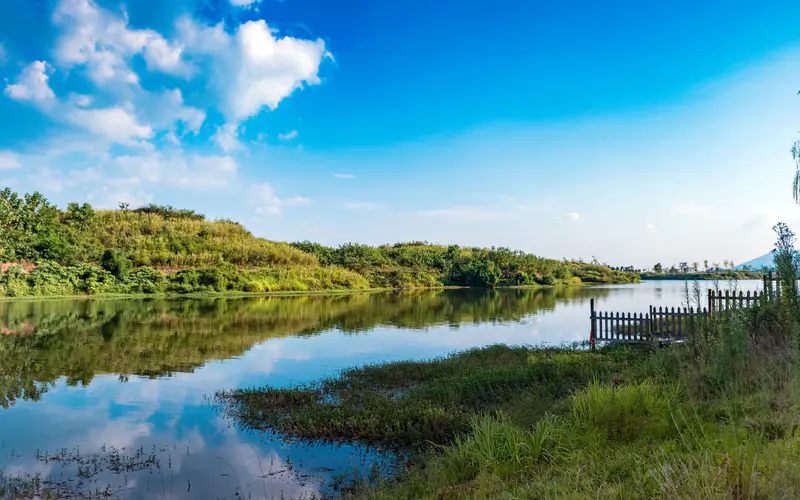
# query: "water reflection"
{"type": "Point", "coordinates": [45, 340]}
{"type": "Point", "coordinates": [93, 376]}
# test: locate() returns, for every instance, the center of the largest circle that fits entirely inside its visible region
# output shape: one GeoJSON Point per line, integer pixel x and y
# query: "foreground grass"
{"type": "Point", "coordinates": [716, 417]}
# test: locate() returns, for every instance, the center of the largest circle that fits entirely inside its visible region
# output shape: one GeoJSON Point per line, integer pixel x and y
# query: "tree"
{"type": "Point", "coordinates": [684, 267]}
{"type": "Point", "coordinates": [725, 263]}
{"type": "Point", "coordinates": [658, 268]}
{"type": "Point", "coordinates": [705, 264]}
{"type": "Point", "coordinates": [116, 264]}
{"type": "Point", "coordinates": [24, 223]}
{"type": "Point", "coordinates": [695, 266]}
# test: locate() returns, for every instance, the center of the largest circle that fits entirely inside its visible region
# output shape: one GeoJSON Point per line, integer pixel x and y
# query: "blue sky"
{"type": "Point", "coordinates": [632, 132]}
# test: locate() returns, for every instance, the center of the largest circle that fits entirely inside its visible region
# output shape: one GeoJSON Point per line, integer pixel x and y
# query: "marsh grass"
{"type": "Point", "coordinates": [715, 417]}
{"type": "Point", "coordinates": [413, 404]}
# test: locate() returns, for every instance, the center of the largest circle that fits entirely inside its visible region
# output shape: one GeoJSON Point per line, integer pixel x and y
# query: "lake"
{"type": "Point", "coordinates": [115, 397]}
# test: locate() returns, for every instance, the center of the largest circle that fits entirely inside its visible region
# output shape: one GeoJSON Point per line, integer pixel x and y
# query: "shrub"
{"type": "Point", "coordinates": [115, 264]}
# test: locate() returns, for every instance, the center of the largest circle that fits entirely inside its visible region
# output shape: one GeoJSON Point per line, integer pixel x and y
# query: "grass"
{"type": "Point", "coordinates": [46, 251]}
{"type": "Point", "coordinates": [413, 404]}
{"type": "Point", "coordinates": [715, 417]}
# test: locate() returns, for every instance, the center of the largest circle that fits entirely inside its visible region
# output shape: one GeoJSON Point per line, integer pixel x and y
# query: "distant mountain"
{"type": "Point", "coordinates": [766, 260]}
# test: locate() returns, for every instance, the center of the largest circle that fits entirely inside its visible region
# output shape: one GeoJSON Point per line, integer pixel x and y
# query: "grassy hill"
{"type": "Point", "coordinates": [157, 249]}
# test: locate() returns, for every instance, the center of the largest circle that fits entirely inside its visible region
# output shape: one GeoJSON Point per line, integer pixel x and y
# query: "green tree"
{"type": "Point", "coordinates": [24, 222]}
{"type": "Point", "coordinates": [115, 264]}
{"type": "Point", "coordinates": [658, 268]}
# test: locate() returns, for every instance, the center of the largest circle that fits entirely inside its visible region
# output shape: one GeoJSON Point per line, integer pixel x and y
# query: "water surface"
{"type": "Point", "coordinates": [114, 394]}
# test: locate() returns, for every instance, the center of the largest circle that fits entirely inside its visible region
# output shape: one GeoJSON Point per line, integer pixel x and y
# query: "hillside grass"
{"type": "Point", "coordinates": [47, 251]}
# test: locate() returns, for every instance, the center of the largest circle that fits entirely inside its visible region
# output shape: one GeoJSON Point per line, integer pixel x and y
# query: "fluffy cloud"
{"type": "Point", "coordinates": [266, 201]}
{"type": "Point", "coordinates": [226, 137]}
{"type": "Point", "coordinates": [268, 69]}
{"type": "Point", "coordinates": [9, 160]}
{"type": "Point", "coordinates": [573, 216]}
{"type": "Point", "coordinates": [251, 69]}
{"type": "Point", "coordinates": [288, 136]}
{"type": "Point", "coordinates": [166, 58]}
{"type": "Point", "coordinates": [167, 108]}
{"type": "Point", "coordinates": [32, 85]}
{"type": "Point", "coordinates": [101, 41]}
{"type": "Point", "coordinates": [115, 124]}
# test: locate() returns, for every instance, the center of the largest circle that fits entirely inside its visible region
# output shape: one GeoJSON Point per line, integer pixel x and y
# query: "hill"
{"type": "Point", "coordinates": [161, 249]}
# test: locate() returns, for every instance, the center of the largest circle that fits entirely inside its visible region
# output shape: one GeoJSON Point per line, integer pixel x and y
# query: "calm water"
{"type": "Point", "coordinates": [115, 393]}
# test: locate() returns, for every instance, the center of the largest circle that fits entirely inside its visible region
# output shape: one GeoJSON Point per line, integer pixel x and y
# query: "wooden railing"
{"type": "Point", "coordinates": [658, 324]}
{"type": "Point", "coordinates": [673, 324]}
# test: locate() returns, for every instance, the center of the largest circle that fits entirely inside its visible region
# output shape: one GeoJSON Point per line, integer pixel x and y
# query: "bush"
{"type": "Point", "coordinates": [115, 264]}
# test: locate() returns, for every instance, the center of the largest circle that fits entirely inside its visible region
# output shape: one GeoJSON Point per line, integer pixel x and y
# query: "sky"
{"type": "Point", "coordinates": [625, 131]}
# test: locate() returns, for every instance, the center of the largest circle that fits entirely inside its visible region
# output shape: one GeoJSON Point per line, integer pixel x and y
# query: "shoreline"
{"type": "Point", "coordinates": [286, 293]}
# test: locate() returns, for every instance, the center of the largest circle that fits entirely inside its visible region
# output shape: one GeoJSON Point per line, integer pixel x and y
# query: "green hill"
{"type": "Point", "coordinates": [157, 249]}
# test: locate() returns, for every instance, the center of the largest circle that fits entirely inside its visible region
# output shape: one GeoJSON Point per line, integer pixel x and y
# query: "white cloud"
{"type": "Point", "coordinates": [9, 160]}
{"type": "Point", "coordinates": [573, 216]}
{"type": "Point", "coordinates": [165, 57]}
{"type": "Point", "coordinates": [116, 124]}
{"type": "Point", "coordinates": [81, 100]}
{"type": "Point", "coordinates": [32, 85]}
{"type": "Point", "coordinates": [266, 201]}
{"type": "Point", "coordinates": [344, 176]}
{"type": "Point", "coordinates": [227, 137]}
{"type": "Point", "coordinates": [101, 41]}
{"type": "Point", "coordinates": [254, 68]}
{"type": "Point", "coordinates": [650, 227]}
{"type": "Point", "coordinates": [244, 3]}
{"type": "Point", "coordinates": [288, 136]}
{"type": "Point", "coordinates": [168, 107]}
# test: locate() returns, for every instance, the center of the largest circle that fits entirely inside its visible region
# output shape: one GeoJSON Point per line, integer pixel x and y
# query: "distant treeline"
{"type": "Point", "coordinates": [704, 276]}
{"type": "Point", "coordinates": [156, 249]}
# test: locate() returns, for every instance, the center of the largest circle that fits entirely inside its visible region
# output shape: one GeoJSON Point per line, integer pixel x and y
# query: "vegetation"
{"type": "Point", "coordinates": [713, 417]}
{"type": "Point", "coordinates": [156, 250]}
{"type": "Point", "coordinates": [704, 276]}
{"type": "Point", "coordinates": [713, 271]}
{"type": "Point", "coordinates": [41, 341]}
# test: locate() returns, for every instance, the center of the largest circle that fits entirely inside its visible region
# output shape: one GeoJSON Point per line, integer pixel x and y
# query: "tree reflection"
{"type": "Point", "coordinates": [41, 341]}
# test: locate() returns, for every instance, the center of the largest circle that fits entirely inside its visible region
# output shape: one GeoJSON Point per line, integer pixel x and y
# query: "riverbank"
{"type": "Point", "coordinates": [237, 295]}
{"type": "Point", "coordinates": [715, 417]}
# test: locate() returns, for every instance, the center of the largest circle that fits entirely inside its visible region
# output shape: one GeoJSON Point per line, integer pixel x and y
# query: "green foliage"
{"type": "Point", "coordinates": [418, 264]}
{"type": "Point", "coordinates": [115, 264]}
{"type": "Point", "coordinates": [195, 255]}
{"type": "Point", "coordinates": [26, 222]}
{"type": "Point", "coordinates": [169, 212]}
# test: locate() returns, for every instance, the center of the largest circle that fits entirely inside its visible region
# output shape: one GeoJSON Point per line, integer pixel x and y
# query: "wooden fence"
{"type": "Point", "coordinates": [673, 324]}
{"type": "Point", "coordinates": [659, 324]}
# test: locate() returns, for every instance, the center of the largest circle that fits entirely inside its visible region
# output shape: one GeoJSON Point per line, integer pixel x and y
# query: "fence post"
{"type": "Point", "coordinates": [710, 302]}
{"type": "Point", "coordinates": [593, 332]}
